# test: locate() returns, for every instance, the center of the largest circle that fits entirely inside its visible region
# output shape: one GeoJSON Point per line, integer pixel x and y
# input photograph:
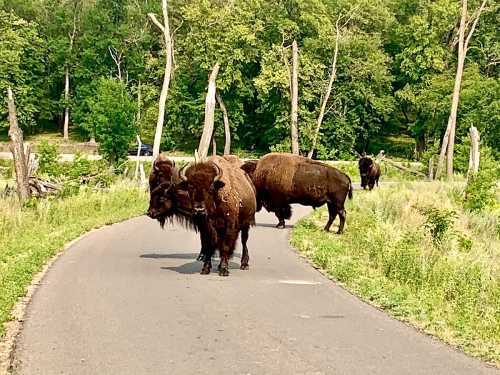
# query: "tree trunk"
{"type": "Point", "coordinates": [295, 99]}
{"type": "Point", "coordinates": [208, 127]}
{"type": "Point", "coordinates": [214, 146]}
{"type": "Point", "coordinates": [333, 75]}
{"type": "Point", "coordinates": [166, 78]}
{"type": "Point", "coordinates": [139, 143]}
{"type": "Point", "coordinates": [448, 143]}
{"type": "Point", "coordinates": [474, 151]}
{"type": "Point", "coordinates": [17, 149]}
{"type": "Point", "coordinates": [227, 129]}
{"type": "Point", "coordinates": [66, 108]}
{"type": "Point", "coordinates": [72, 36]}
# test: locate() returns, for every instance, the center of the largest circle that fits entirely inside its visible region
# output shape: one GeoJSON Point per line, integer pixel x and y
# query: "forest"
{"type": "Point", "coordinates": [392, 64]}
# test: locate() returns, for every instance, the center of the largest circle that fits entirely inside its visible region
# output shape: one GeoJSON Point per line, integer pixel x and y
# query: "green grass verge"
{"type": "Point", "coordinates": [447, 286]}
{"type": "Point", "coordinates": [30, 236]}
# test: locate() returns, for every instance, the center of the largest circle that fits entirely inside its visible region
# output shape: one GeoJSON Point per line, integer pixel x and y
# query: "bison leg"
{"type": "Point", "coordinates": [332, 214]}
{"type": "Point", "coordinates": [244, 256]}
{"type": "Point", "coordinates": [371, 185]}
{"type": "Point", "coordinates": [207, 249]}
{"type": "Point", "coordinates": [341, 213]}
{"type": "Point", "coordinates": [282, 213]}
{"type": "Point", "coordinates": [226, 250]}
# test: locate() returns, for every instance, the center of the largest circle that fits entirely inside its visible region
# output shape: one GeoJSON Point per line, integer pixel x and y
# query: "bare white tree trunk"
{"type": "Point", "coordinates": [474, 151]}
{"type": "Point", "coordinates": [208, 126]}
{"type": "Point", "coordinates": [431, 168]}
{"type": "Point", "coordinates": [295, 99]}
{"type": "Point", "coordinates": [139, 143]}
{"type": "Point", "coordinates": [72, 36]}
{"type": "Point", "coordinates": [214, 146]}
{"type": "Point", "coordinates": [117, 57]}
{"type": "Point", "coordinates": [333, 75]}
{"type": "Point", "coordinates": [227, 129]}
{"type": "Point", "coordinates": [17, 149]}
{"type": "Point", "coordinates": [448, 144]}
{"type": "Point", "coordinates": [166, 78]}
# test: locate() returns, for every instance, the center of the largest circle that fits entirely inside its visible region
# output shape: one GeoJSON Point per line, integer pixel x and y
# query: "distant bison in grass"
{"type": "Point", "coordinates": [369, 171]}
{"type": "Point", "coordinates": [281, 179]}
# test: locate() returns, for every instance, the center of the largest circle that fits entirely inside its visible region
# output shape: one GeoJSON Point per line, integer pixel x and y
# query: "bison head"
{"type": "Point", "coordinates": [365, 164]}
{"type": "Point", "coordinates": [200, 182]}
{"type": "Point", "coordinates": [161, 186]}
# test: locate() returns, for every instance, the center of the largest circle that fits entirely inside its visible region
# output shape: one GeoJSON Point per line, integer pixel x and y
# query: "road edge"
{"type": "Point", "coordinates": [14, 326]}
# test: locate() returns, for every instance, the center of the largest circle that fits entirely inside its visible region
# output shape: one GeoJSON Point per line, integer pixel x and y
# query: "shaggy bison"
{"type": "Point", "coordinates": [215, 198]}
{"type": "Point", "coordinates": [281, 179]}
{"type": "Point", "coordinates": [369, 171]}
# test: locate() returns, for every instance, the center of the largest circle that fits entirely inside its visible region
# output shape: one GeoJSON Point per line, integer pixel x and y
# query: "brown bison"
{"type": "Point", "coordinates": [283, 179]}
{"type": "Point", "coordinates": [369, 171]}
{"type": "Point", "coordinates": [223, 203]}
{"type": "Point", "coordinates": [218, 205]}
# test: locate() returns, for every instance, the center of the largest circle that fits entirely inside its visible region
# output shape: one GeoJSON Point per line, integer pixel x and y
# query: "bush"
{"type": "Point", "coordinates": [48, 159]}
{"type": "Point", "coordinates": [480, 191]}
{"type": "Point", "coordinates": [112, 115]}
{"type": "Point", "coordinates": [438, 222]}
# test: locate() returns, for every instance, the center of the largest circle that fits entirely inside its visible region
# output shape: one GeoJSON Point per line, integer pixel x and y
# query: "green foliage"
{"type": "Point", "coordinates": [112, 116]}
{"type": "Point", "coordinates": [438, 222]}
{"type": "Point", "coordinates": [480, 191]}
{"type": "Point", "coordinates": [48, 159]}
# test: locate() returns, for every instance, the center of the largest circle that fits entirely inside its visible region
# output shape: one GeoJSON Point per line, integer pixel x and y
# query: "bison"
{"type": "Point", "coordinates": [215, 198]}
{"type": "Point", "coordinates": [282, 179]}
{"type": "Point", "coordinates": [369, 171]}
{"type": "Point", "coordinates": [223, 201]}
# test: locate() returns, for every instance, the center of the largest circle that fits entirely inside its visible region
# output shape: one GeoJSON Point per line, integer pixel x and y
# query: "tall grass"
{"type": "Point", "coordinates": [31, 235]}
{"type": "Point", "coordinates": [389, 255]}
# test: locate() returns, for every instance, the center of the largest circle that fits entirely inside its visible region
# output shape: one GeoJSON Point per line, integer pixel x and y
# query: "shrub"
{"type": "Point", "coordinates": [112, 115]}
{"type": "Point", "coordinates": [48, 159]}
{"type": "Point", "coordinates": [438, 222]}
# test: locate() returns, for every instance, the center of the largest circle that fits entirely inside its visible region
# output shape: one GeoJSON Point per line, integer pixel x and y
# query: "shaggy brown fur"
{"type": "Point", "coordinates": [369, 171]}
{"type": "Point", "coordinates": [222, 207]}
{"type": "Point", "coordinates": [282, 179]}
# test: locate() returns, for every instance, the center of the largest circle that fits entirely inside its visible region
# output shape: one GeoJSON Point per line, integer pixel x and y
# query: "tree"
{"type": "Point", "coordinates": [463, 44]}
{"type": "Point", "coordinates": [165, 29]}
{"type": "Point", "coordinates": [208, 128]}
{"type": "Point", "coordinates": [112, 115]}
{"type": "Point", "coordinates": [18, 152]}
{"type": "Point", "coordinates": [294, 87]}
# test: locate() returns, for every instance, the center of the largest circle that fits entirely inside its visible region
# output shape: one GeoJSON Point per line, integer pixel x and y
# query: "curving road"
{"type": "Point", "coordinates": [128, 299]}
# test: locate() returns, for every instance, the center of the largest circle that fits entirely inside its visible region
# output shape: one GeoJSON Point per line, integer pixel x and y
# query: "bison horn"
{"type": "Point", "coordinates": [218, 171]}
{"type": "Point", "coordinates": [183, 172]}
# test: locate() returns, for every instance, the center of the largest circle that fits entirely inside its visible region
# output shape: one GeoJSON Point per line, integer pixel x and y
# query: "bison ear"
{"type": "Point", "coordinates": [218, 184]}
{"type": "Point", "coordinates": [249, 166]}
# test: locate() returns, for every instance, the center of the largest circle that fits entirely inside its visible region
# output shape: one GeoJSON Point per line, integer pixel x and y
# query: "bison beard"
{"type": "Point", "coordinates": [369, 171]}
{"type": "Point", "coordinates": [282, 179]}
{"type": "Point", "coordinates": [223, 201]}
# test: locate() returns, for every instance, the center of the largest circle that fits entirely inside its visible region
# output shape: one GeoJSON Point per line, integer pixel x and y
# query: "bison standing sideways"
{"type": "Point", "coordinates": [223, 202]}
{"type": "Point", "coordinates": [282, 179]}
{"type": "Point", "coordinates": [369, 171]}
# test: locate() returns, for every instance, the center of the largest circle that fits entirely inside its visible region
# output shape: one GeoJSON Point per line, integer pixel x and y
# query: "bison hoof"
{"type": "Point", "coordinates": [205, 271]}
{"type": "Point", "coordinates": [244, 267]}
{"type": "Point", "coordinates": [223, 272]}
{"type": "Point", "coordinates": [280, 226]}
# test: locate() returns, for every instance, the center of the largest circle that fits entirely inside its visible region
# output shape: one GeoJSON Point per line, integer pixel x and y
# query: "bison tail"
{"type": "Point", "coordinates": [350, 190]}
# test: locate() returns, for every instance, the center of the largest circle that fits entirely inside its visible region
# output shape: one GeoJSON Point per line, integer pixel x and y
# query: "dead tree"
{"type": "Point", "coordinates": [294, 99]}
{"type": "Point", "coordinates": [17, 149]}
{"type": "Point", "coordinates": [72, 36]}
{"type": "Point", "coordinates": [227, 129]}
{"type": "Point", "coordinates": [208, 126]}
{"type": "Point", "coordinates": [448, 143]}
{"type": "Point", "coordinates": [117, 57]}
{"type": "Point", "coordinates": [333, 76]}
{"type": "Point", "coordinates": [165, 29]}
{"type": "Point", "coordinates": [474, 151]}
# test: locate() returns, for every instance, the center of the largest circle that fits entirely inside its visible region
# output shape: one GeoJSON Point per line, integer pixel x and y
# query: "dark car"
{"type": "Point", "coordinates": [146, 150]}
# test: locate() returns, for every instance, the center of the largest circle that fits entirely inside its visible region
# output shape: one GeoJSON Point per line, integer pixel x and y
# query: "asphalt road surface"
{"type": "Point", "coordinates": [129, 299]}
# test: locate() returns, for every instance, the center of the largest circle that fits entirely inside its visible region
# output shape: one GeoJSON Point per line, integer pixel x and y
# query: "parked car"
{"type": "Point", "coordinates": [146, 150]}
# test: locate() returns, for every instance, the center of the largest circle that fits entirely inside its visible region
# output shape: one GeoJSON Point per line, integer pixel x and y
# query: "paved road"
{"type": "Point", "coordinates": [128, 299]}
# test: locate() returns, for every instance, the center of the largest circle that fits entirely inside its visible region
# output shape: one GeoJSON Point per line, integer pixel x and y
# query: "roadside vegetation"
{"type": "Point", "coordinates": [427, 252]}
{"type": "Point", "coordinates": [91, 194]}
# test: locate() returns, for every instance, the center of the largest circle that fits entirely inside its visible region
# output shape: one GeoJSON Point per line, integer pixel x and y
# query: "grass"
{"type": "Point", "coordinates": [447, 285]}
{"type": "Point", "coordinates": [31, 235]}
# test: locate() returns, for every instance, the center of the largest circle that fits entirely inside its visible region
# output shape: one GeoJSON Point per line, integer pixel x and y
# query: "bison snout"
{"type": "Point", "coordinates": [151, 213]}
